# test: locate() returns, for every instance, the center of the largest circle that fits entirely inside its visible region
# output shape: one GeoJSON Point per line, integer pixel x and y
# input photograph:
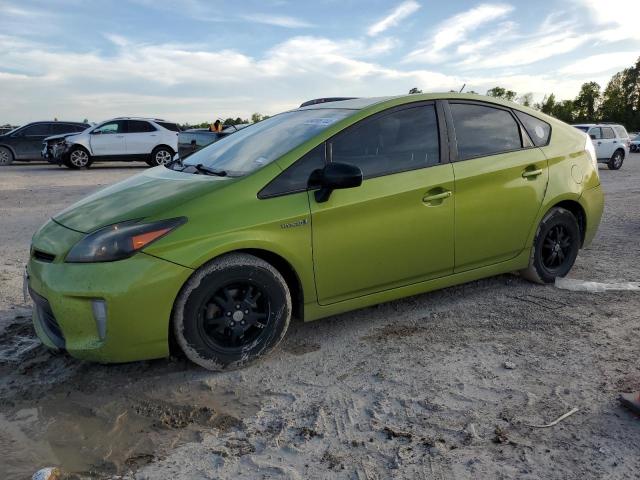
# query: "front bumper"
{"type": "Point", "coordinates": [138, 294]}
{"type": "Point", "coordinates": [55, 152]}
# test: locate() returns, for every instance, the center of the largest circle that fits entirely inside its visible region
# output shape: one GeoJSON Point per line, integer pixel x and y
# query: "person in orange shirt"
{"type": "Point", "coordinates": [216, 126]}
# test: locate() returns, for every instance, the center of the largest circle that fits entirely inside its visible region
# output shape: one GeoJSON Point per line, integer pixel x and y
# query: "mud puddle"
{"type": "Point", "coordinates": [95, 421]}
{"type": "Point", "coordinates": [97, 435]}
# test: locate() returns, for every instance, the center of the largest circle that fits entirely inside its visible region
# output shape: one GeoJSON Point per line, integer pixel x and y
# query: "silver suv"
{"type": "Point", "coordinates": [610, 140]}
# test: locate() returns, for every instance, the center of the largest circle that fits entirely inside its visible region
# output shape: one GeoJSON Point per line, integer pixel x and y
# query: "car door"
{"type": "Point", "coordinates": [108, 139]}
{"type": "Point", "coordinates": [609, 142]}
{"type": "Point", "coordinates": [500, 182]}
{"type": "Point", "coordinates": [596, 138]}
{"type": "Point", "coordinates": [141, 137]}
{"type": "Point", "coordinates": [397, 227]}
{"type": "Point", "coordinates": [28, 142]}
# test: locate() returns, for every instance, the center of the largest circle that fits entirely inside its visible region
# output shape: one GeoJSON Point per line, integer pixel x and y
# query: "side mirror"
{"type": "Point", "coordinates": [334, 176]}
{"type": "Point", "coordinates": [593, 137]}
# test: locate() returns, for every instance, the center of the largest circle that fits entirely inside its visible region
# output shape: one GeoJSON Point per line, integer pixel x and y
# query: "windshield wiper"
{"type": "Point", "coordinates": [208, 171]}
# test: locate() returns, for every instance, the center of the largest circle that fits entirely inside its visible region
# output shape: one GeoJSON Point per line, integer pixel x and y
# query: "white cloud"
{"type": "Point", "coordinates": [277, 20]}
{"type": "Point", "coordinates": [398, 14]}
{"type": "Point", "coordinates": [529, 51]}
{"type": "Point", "coordinates": [618, 18]}
{"type": "Point", "coordinates": [456, 29]}
{"type": "Point", "coordinates": [603, 62]}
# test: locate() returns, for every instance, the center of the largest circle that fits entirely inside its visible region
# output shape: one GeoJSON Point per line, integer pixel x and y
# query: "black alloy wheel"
{"type": "Point", "coordinates": [616, 160]}
{"type": "Point", "coordinates": [232, 311]}
{"type": "Point", "coordinates": [235, 315]}
{"type": "Point", "coordinates": [555, 247]}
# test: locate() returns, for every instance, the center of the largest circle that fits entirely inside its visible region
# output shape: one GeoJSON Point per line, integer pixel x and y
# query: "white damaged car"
{"type": "Point", "coordinates": [151, 140]}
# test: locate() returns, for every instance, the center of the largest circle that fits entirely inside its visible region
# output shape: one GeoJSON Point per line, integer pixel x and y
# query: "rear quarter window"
{"type": "Point", "coordinates": [621, 132]}
{"type": "Point", "coordinates": [538, 130]}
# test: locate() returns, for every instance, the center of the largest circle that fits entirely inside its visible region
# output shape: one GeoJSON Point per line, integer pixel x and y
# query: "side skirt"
{"type": "Point", "coordinates": [314, 311]}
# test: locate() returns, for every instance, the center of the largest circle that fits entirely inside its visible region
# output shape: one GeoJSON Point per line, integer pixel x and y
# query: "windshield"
{"type": "Point", "coordinates": [261, 143]}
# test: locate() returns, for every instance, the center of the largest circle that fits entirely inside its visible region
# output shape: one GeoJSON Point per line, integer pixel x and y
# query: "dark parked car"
{"type": "Point", "coordinates": [25, 143]}
{"type": "Point", "coordinates": [194, 139]}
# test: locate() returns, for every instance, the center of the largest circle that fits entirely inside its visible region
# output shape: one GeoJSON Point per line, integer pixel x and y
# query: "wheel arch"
{"type": "Point", "coordinates": [165, 146]}
{"type": "Point", "coordinates": [578, 211]}
{"type": "Point", "coordinates": [10, 148]}
{"type": "Point", "coordinates": [282, 265]}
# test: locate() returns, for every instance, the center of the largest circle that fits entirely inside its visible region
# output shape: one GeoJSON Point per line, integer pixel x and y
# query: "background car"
{"type": "Point", "coordinates": [634, 142]}
{"type": "Point", "coordinates": [151, 140]}
{"type": "Point", "coordinates": [194, 139]}
{"type": "Point", "coordinates": [24, 143]}
{"type": "Point", "coordinates": [397, 196]}
{"type": "Point", "coordinates": [610, 140]}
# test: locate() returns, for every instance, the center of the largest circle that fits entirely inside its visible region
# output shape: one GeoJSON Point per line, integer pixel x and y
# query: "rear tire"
{"type": "Point", "coordinates": [6, 157]}
{"type": "Point", "coordinates": [555, 247]}
{"type": "Point", "coordinates": [615, 162]}
{"type": "Point", "coordinates": [231, 312]}
{"type": "Point", "coordinates": [160, 156]}
{"type": "Point", "coordinates": [78, 158]}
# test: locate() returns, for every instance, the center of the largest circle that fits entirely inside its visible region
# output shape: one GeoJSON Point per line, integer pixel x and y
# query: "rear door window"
{"type": "Point", "coordinates": [37, 130]}
{"type": "Point", "coordinates": [393, 142]}
{"type": "Point", "coordinates": [169, 126]}
{"type": "Point", "coordinates": [140, 126]}
{"type": "Point", "coordinates": [538, 130]}
{"type": "Point", "coordinates": [607, 133]}
{"type": "Point", "coordinates": [60, 128]}
{"type": "Point", "coordinates": [482, 130]}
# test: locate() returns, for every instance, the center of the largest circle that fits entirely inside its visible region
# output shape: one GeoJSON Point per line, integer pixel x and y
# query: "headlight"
{"type": "Point", "coordinates": [119, 241]}
{"type": "Point", "coordinates": [590, 149]}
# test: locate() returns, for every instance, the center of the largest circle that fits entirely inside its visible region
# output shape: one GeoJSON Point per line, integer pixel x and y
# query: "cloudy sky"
{"type": "Point", "coordinates": [195, 60]}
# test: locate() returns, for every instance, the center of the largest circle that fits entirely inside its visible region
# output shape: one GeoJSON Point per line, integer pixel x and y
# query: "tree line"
{"type": "Point", "coordinates": [255, 118]}
{"type": "Point", "coordinates": [619, 102]}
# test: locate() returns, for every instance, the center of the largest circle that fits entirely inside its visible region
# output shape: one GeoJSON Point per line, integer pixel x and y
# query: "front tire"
{"type": "Point", "coordinates": [6, 157]}
{"type": "Point", "coordinates": [160, 156]}
{"type": "Point", "coordinates": [615, 162]}
{"type": "Point", "coordinates": [231, 311]}
{"type": "Point", "coordinates": [78, 158]}
{"type": "Point", "coordinates": [555, 247]}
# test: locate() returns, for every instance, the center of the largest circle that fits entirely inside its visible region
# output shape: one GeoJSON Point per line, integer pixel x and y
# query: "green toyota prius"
{"type": "Point", "coordinates": [313, 212]}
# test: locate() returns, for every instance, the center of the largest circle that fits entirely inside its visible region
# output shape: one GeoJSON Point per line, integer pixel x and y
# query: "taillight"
{"type": "Point", "coordinates": [590, 149]}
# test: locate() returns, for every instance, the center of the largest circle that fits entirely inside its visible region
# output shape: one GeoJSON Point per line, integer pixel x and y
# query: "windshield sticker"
{"type": "Point", "coordinates": [320, 122]}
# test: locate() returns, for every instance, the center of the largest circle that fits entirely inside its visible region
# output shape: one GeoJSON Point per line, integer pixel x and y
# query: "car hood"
{"type": "Point", "coordinates": [59, 137]}
{"type": "Point", "coordinates": [149, 193]}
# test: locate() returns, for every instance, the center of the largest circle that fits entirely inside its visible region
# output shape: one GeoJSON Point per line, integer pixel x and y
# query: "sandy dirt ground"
{"type": "Point", "coordinates": [438, 386]}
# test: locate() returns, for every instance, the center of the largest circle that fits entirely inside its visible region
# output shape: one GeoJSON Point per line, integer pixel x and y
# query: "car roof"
{"type": "Point", "coordinates": [351, 104]}
{"type": "Point", "coordinates": [362, 103]}
{"type": "Point", "coordinates": [141, 118]}
{"type": "Point", "coordinates": [54, 121]}
{"type": "Point", "coordinates": [605, 124]}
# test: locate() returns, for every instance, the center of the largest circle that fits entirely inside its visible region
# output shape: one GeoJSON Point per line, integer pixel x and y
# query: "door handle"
{"type": "Point", "coordinates": [437, 196]}
{"type": "Point", "coordinates": [531, 173]}
{"type": "Point", "coordinates": [119, 136]}
{"type": "Point", "coordinates": [599, 143]}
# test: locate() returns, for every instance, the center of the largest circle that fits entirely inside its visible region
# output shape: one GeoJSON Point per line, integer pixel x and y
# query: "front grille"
{"type": "Point", "coordinates": [47, 319]}
{"type": "Point", "coordinates": [43, 256]}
